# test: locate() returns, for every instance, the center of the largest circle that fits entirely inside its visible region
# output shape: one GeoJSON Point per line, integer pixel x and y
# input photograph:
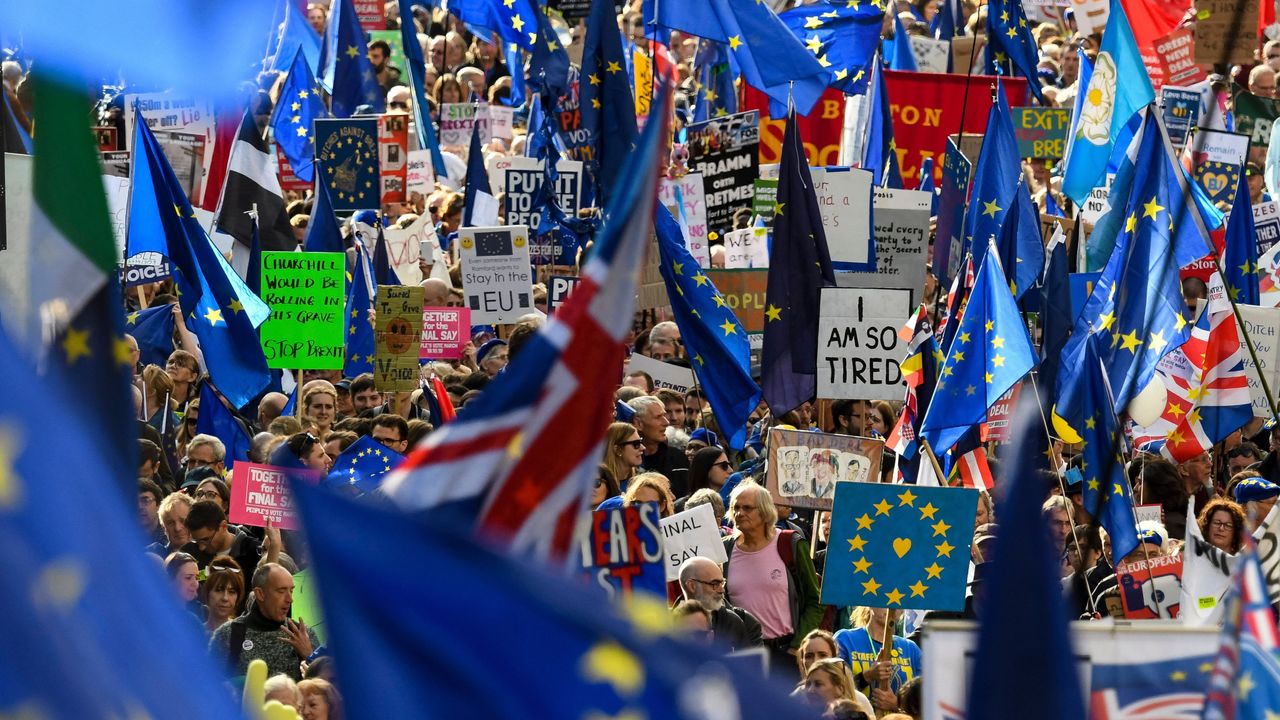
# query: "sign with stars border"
{"type": "Point", "coordinates": [899, 546]}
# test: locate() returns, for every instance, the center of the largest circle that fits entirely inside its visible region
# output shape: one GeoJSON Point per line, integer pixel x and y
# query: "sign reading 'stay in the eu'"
{"type": "Point", "coordinates": [622, 551]}
{"type": "Point", "coordinates": [899, 546]}
{"type": "Point", "coordinates": [347, 158]}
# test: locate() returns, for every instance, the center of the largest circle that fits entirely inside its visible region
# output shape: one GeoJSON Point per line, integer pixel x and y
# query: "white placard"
{"type": "Point", "coordinates": [420, 174]}
{"type": "Point", "coordinates": [404, 248]}
{"type": "Point", "coordinates": [484, 209]}
{"type": "Point", "coordinates": [859, 350]}
{"type": "Point", "coordinates": [118, 207]}
{"type": "Point", "coordinates": [844, 198]}
{"type": "Point", "coordinates": [1097, 204]}
{"type": "Point", "coordinates": [931, 55]}
{"type": "Point", "coordinates": [664, 374]}
{"type": "Point", "coordinates": [171, 112]}
{"type": "Point", "coordinates": [500, 121]}
{"type": "Point", "coordinates": [1091, 15]}
{"type": "Point", "coordinates": [902, 249]}
{"type": "Point", "coordinates": [456, 121]}
{"type": "Point", "coordinates": [692, 533]}
{"type": "Point", "coordinates": [685, 197]}
{"type": "Point", "coordinates": [1263, 326]}
{"type": "Point", "coordinates": [746, 248]}
{"type": "Point", "coordinates": [497, 279]}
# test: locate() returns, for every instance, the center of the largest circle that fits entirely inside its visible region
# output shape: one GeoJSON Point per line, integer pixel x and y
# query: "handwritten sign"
{"type": "Point", "coordinates": [902, 235]}
{"type": "Point", "coordinates": [445, 332]}
{"type": "Point", "coordinates": [859, 350]}
{"type": "Point", "coordinates": [456, 121]}
{"type": "Point", "coordinates": [1225, 31]}
{"type": "Point", "coordinates": [692, 533]}
{"type": "Point", "coordinates": [261, 492]}
{"type": "Point", "coordinates": [747, 248]}
{"type": "Point", "coordinates": [397, 338]}
{"type": "Point", "coordinates": [1041, 132]}
{"type": "Point", "coordinates": [420, 174]}
{"type": "Point", "coordinates": [686, 198]}
{"type": "Point", "coordinates": [305, 293]}
{"type": "Point", "coordinates": [497, 280]}
{"type": "Point", "coordinates": [622, 551]}
{"type": "Point", "coordinates": [1263, 325]}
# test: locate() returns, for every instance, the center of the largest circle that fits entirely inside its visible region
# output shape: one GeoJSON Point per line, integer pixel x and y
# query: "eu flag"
{"type": "Point", "coordinates": [897, 49]}
{"type": "Point", "coordinates": [799, 266]}
{"type": "Point", "coordinates": [293, 36]}
{"type": "Point", "coordinates": [843, 36]}
{"type": "Point", "coordinates": [899, 546]}
{"type": "Point", "coordinates": [1055, 301]}
{"type": "Point", "coordinates": [359, 311]}
{"type": "Point", "coordinates": [1107, 495]}
{"type": "Point", "coordinates": [383, 273]}
{"type": "Point", "coordinates": [220, 422]}
{"type": "Point", "coordinates": [1020, 240]}
{"type": "Point", "coordinates": [592, 658]}
{"type": "Point", "coordinates": [72, 586]}
{"type": "Point", "coordinates": [608, 105]}
{"type": "Point", "coordinates": [362, 465]}
{"type": "Point", "coordinates": [347, 161]}
{"type": "Point", "coordinates": [1240, 253]}
{"type": "Point", "coordinates": [323, 233]}
{"type": "Point", "coordinates": [515, 21]}
{"type": "Point", "coordinates": [991, 352]}
{"type": "Point", "coordinates": [219, 308]}
{"type": "Point", "coordinates": [1009, 41]}
{"type": "Point", "coordinates": [299, 104]}
{"type": "Point", "coordinates": [716, 342]}
{"type": "Point", "coordinates": [153, 329]}
{"type": "Point", "coordinates": [995, 180]}
{"type": "Point", "coordinates": [548, 61]}
{"type": "Point", "coordinates": [346, 66]}
{"type": "Point", "coordinates": [253, 271]}
{"type": "Point", "coordinates": [477, 179]}
{"type": "Point", "coordinates": [417, 68]}
{"type": "Point", "coordinates": [879, 155]}
{"type": "Point", "coordinates": [716, 94]}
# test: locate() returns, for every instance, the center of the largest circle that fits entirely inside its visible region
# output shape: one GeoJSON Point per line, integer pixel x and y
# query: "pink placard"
{"type": "Point", "coordinates": [260, 493]}
{"type": "Point", "coordinates": [445, 332]}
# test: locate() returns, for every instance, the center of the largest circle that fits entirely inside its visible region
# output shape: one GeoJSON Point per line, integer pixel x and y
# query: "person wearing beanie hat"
{"type": "Point", "coordinates": [1257, 496]}
{"type": "Point", "coordinates": [492, 357]}
{"type": "Point", "coordinates": [698, 439]}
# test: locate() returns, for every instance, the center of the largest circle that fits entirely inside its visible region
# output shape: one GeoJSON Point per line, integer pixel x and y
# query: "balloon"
{"type": "Point", "coordinates": [1147, 406]}
{"type": "Point", "coordinates": [255, 678]}
{"type": "Point", "coordinates": [1065, 431]}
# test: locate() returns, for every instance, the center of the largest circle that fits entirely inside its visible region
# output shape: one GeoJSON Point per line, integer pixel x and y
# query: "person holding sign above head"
{"type": "Point", "coordinates": [623, 453]}
{"type": "Point", "coordinates": [860, 648]}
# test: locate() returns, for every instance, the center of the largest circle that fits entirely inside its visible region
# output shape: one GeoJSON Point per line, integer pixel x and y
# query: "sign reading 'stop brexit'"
{"type": "Point", "coordinates": [347, 158]}
{"type": "Point", "coordinates": [726, 150]}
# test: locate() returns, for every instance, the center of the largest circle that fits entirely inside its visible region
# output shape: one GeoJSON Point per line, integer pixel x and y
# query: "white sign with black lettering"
{"type": "Point", "coordinates": [902, 242]}
{"type": "Point", "coordinates": [497, 279]}
{"type": "Point", "coordinates": [1263, 326]}
{"type": "Point", "coordinates": [858, 346]}
{"type": "Point", "coordinates": [664, 374]}
{"type": "Point", "coordinates": [558, 289]}
{"type": "Point", "coordinates": [692, 533]}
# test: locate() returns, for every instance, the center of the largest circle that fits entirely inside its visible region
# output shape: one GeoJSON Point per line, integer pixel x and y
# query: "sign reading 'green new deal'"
{"type": "Point", "coordinates": [305, 293]}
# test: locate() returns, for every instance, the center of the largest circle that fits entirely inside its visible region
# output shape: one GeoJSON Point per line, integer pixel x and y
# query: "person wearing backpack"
{"type": "Point", "coordinates": [772, 576]}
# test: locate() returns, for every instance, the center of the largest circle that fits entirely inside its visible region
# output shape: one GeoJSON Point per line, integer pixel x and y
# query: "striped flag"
{"type": "Point", "coordinates": [1246, 677]}
{"type": "Point", "coordinates": [252, 183]}
{"type": "Point", "coordinates": [974, 470]}
{"type": "Point", "coordinates": [920, 371]}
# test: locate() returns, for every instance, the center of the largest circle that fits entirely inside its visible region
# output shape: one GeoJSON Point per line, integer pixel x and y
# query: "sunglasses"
{"type": "Point", "coordinates": [399, 105]}
{"type": "Point", "coordinates": [723, 465]}
{"type": "Point", "coordinates": [637, 444]}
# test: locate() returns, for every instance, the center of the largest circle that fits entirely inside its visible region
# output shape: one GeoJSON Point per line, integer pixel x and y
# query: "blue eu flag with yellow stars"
{"type": "Point", "coordinates": [300, 103]}
{"type": "Point", "coordinates": [347, 160]}
{"type": "Point", "coordinates": [153, 329]}
{"type": "Point", "coordinates": [1009, 42]}
{"type": "Point", "coordinates": [515, 21]}
{"type": "Point", "coordinates": [592, 658]}
{"type": "Point", "coordinates": [363, 464]}
{"type": "Point", "coordinates": [346, 66]}
{"type": "Point", "coordinates": [716, 95]}
{"type": "Point", "coordinates": [899, 546]}
{"type": "Point", "coordinates": [1240, 251]}
{"type": "Point", "coordinates": [716, 342]}
{"type": "Point", "coordinates": [360, 336]}
{"type": "Point", "coordinates": [990, 353]}
{"type": "Point", "coordinates": [1107, 495]}
{"type": "Point", "coordinates": [608, 105]}
{"type": "Point", "coordinates": [844, 37]}
{"type": "Point", "coordinates": [995, 180]}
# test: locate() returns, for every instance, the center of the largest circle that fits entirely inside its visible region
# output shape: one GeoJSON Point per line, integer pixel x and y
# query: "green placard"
{"type": "Point", "coordinates": [764, 199]}
{"type": "Point", "coordinates": [1042, 132]}
{"type": "Point", "coordinates": [306, 604]}
{"type": "Point", "coordinates": [305, 293]}
{"type": "Point", "coordinates": [395, 40]}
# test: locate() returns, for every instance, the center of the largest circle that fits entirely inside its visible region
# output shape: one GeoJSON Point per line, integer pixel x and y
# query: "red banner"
{"type": "Point", "coordinates": [820, 129]}
{"type": "Point", "coordinates": [927, 107]}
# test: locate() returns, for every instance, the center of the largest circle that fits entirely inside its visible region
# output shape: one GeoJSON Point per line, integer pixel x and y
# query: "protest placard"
{"type": "Point", "coordinates": [1206, 576]}
{"type": "Point", "coordinates": [1216, 159]}
{"type": "Point", "coordinates": [804, 468]}
{"type": "Point", "coordinates": [642, 72]}
{"type": "Point", "coordinates": [1176, 53]}
{"type": "Point", "coordinates": [393, 152]}
{"type": "Point", "coordinates": [347, 159]}
{"type": "Point", "coordinates": [685, 197]}
{"type": "Point", "coordinates": [306, 602]}
{"type": "Point", "coordinates": [117, 189]}
{"type": "Point", "coordinates": [899, 546]}
{"type": "Point", "coordinates": [289, 180]}
{"type": "Point", "coordinates": [173, 112]}
{"type": "Point", "coordinates": [859, 350]}
{"type": "Point", "coordinates": [1151, 588]}
{"type": "Point", "coordinates": [1041, 132]}
{"type": "Point", "coordinates": [394, 39]}
{"type": "Point", "coordinates": [746, 248]}
{"type": "Point", "coordinates": [572, 10]}
{"type": "Point", "coordinates": [1097, 204]}
{"type": "Point", "coordinates": [726, 151]}
{"type": "Point", "coordinates": [692, 533]}
{"type": "Point", "coordinates": [1225, 31]}
{"type": "Point", "coordinates": [765, 200]}
{"type": "Point", "coordinates": [522, 178]}
{"type": "Point", "coordinates": [456, 121]}
{"type": "Point", "coordinates": [1254, 116]}
{"type": "Point", "coordinates": [664, 374]}
{"type": "Point", "coordinates": [1266, 224]}
{"type": "Point", "coordinates": [306, 296]}
{"type": "Point", "coordinates": [1091, 15]}
{"type": "Point", "coordinates": [420, 174]}
{"type": "Point", "coordinates": [1263, 326]}
{"type": "Point", "coordinates": [1149, 513]}
{"type": "Point", "coordinates": [405, 248]}
{"type": "Point", "coordinates": [372, 14]}
{"type": "Point", "coordinates": [186, 153]}
{"type": "Point", "coordinates": [501, 121]}
{"type": "Point", "coordinates": [948, 240]}
{"type": "Point", "coordinates": [445, 332]}
{"type": "Point", "coordinates": [1181, 112]}
{"type": "Point", "coordinates": [116, 163]}
{"type": "Point", "coordinates": [622, 551]}
{"type": "Point", "coordinates": [261, 492]}
{"type": "Point", "coordinates": [397, 338]}
{"type": "Point", "coordinates": [744, 293]}
{"type": "Point", "coordinates": [999, 415]}
{"type": "Point", "coordinates": [559, 287]}
{"type": "Point", "coordinates": [902, 235]}
{"type": "Point", "coordinates": [497, 280]}
{"type": "Point", "coordinates": [931, 55]}
{"type": "Point", "coordinates": [844, 196]}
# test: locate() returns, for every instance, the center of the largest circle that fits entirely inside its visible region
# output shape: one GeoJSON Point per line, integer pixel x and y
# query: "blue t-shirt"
{"type": "Point", "coordinates": [859, 652]}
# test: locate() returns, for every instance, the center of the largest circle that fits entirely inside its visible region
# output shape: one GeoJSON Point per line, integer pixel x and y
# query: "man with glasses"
{"type": "Point", "coordinates": [392, 431]}
{"type": "Point", "coordinates": [734, 628]}
{"type": "Point", "coordinates": [205, 451]}
{"type": "Point", "coordinates": [210, 537]}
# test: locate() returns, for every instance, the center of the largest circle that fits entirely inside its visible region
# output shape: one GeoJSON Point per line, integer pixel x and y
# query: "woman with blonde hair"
{"type": "Point", "coordinates": [860, 648]}
{"type": "Point", "coordinates": [623, 452]}
{"type": "Point", "coordinates": [651, 487]}
{"type": "Point", "coordinates": [320, 408]}
{"type": "Point", "coordinates": [829, 680]}
{"type": "Point", "coordinates": [320, 700]}
{"type": "Point", "coordinates": [817, 645]}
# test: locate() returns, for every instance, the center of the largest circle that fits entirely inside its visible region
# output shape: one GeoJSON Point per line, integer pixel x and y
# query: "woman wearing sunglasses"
{"type": "Point", "coordinates": [623, 452]}
{"type": "Point", "coordinates": [709, 468]}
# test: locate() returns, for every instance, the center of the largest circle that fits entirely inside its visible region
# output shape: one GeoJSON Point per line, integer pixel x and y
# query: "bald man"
{"type": "Point", "coordinates": [270, 407]}
{"type": "Point", "coordinates": [701, 579]}
{"type": "Point", "coordinates": [435, 293]}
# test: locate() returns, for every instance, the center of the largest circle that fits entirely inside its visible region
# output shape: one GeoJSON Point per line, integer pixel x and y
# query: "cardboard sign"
{"type": "Point", "coordinates": [1225, 31]}
{"type": "Point", "coordinates": [522, 180]}
{"type": "Point", "coordinates": [726, 151]}
{"type": "Point", "coordinates": [931, 55]}
{"type": "Point", "coordinates": [1181, 112]}
{"type": "Point", "coordinates": [497, 281]}
{"type": "Point", "coordinates": [805, 467]}
{"type": "Point", "coordinates": [347, 159]}
{"type": "Point", "coordinates": [117, 189]}
{"type": "Point", "coordinates": [686, 198]}
{"type": "Point", "coordinates": [1177, 55]}
{"type": "Point", "coordinates": [1151, 589]}
{"type": "Point", "coordinates": [261, 492]}
{"type": "Point", "coordinates": [747, 248]}
{"type": "Point", "coordinates": [1098, 202]}
{"type": "Point", "coordinates": [664, 374]}
{"type": "Point", "coordinates": [393, 156]}
{"type": "Point", "coordinates": [1149, 513]}
{"type": "Point", "coordinates": [859, 351]}
{"type": "Point", "coordinates": [1091, 15]}
{"type": "Point", "coordinates": [1263, 326]}
{"type": "Point", "coordinates": [420, 174]}
{"type": "Point", "coordinates": [744, 293]}
{"type": "Point", "coordinates": [397, 338]}
{"type": "Point", "coordinates": [306, 295]}
{"type": "Point", "coordinates": [622, 551]}
{"type": "Point", "coordinates": [1041, 132]}
{"type": "Point", "coordinates": [559, 288]}
{"type": "Point", "coordinates": [186, 154]}
{"type": "Point", "coordinates": [445, 332]}
{"type": "Point", "coordinates": [456, 121]}
{"type": "Point", "coordinates": [902, 236]}
{"type": "Point", "coordinates": [692, 533]}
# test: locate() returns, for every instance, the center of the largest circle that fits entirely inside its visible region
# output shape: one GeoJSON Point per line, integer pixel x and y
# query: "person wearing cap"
{"type": "Point", "coordinates": [698, 439]}
{"type": "Point", "coordinates": [1257, 188]}
{"type": "Point", "coordinates": [492, 357]}
{"type": "Point", "coordinates": [1256, 496]}
{"type": "Point", "coordinates": [343, 387]}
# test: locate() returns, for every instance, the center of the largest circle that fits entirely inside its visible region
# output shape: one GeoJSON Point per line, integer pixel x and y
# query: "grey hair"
{"type": "Point", "coordinates": [201, 440]}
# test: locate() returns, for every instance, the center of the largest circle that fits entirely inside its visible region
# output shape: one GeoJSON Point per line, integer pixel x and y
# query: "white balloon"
{"type": "Point", "coordinates": [1148, 405]}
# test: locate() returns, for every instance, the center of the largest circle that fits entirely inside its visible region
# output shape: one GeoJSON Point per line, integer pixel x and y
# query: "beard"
{"type": "Point", "coordinates": [711, 602]}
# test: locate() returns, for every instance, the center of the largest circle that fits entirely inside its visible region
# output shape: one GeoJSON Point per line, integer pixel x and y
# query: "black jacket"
{"type": "Point", "coordinates": [673, 465]}
{"type": "Point", "coordinates": [736, 628]}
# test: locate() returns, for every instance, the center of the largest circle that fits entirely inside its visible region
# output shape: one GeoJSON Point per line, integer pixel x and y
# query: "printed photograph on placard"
{"type": "Point", "coordinates": [805, 467]}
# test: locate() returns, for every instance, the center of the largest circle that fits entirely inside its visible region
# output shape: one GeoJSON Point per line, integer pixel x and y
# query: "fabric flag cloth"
{"type": "Point", "coordinates": [1240, 249]}
{"type": "Point", "coordinates": [879, 151]}
{"type": "Point", "coordinates": [991, 352]}
{"type": "Point", "coordinates": [252, 185]}
{"type": "Point", "coordinates": [897, 49]}
{"type": "Point", "coordinates": [360, 337]}
{"type": "Point", "coordinates": [416, 69]}
{"type": "Point", "coordinates": [1206, 577]}
{"type": "Point", "coordinates": [222, 312]}
{"type": "Point", "coordinates": [716, 96]}
{"type": "Point", "coordinates": [927, 185]}
{"type": "Point", "coordinates": [515, 21]}
{"type": "Point", "coordinates": [477, 181]}
{"type": "Point", "coordinates": [293, 36]}
{"type": "Point", "coordinates": [346, 69]}
{"type": "Point", "coordinates": [920, 373]}
{"type": "Point", "coordinates": [1106, 492]}
{"type": "Point", "coordinates": [1010, 42]}
{"type": "Point", "coordinates": [1245, 683]}
{"type": "Point", "coordinates": [74, 583]}
{"type": "Point", "coordinates": [995, 180]}
{"type": "Point", "coordinates": [16, 139]}
{"type": "Point", "coordinates": [715, 341]}
{"type": "Point", "coordinates": [1082, 79]}
{"type": "Point", "coordinates": [362, 465]}
{"type": "Point", "coordinates": [771, 59]}
{"type": "Point", "coordinates": [1020, 239]}
{"type": "Point", "coordinates": [799, 266]}
{"type": "Point", "coordinates": [1023, 634]}
{"type": "Point", "coordinates": [216, 420]}
{"type": "Point", "coordinates": [299, 103]}
{"type": "Point", "coordinates": [945, 25]}
{"type": "Point", "coordinates": [74, 250]}
{"type": "Point", "coordinates": [1220, 389]}
{"type": "Point", "coordinates": [153, 329]}
{"type": "Point", "coordinates": [383, 273]}
{"type": "Point", "coordinates": [843, 36]}
{"type": "Point", "coordinates": [1137, 302]}
{"type": "Point", "coordinates": [549, 61]}
{"type": "Point", "coordinates": [975, 471]}
{"type": "Point", "coordinates": [323, 233]}
{"type": "Point", "coordinates": [506, 463]}
{"type": "Point", "coordinates": [1118, 88]}
{"type": "Point", "coordinates": [1055, 301]}
{"type": "Point", "coordinates": [607, 104]}
{"type": "Point", "coordinates": [253, 270]}
{"type": "Point", "coordinates": [438, 403]}
{"type": "Point", "coordinates": [595, 658]}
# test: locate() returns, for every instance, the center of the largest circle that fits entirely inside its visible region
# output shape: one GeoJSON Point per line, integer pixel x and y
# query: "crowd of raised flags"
{"type": "Point", "coordinates": [1092, 347]}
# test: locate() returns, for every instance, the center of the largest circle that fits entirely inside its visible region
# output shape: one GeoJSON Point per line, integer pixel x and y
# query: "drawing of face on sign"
{"type": "Point", "coordinates": [825, 465]}
{"type": "Point", "coordinates": [793, 475]}
{"type": "Point", "coordinates": [857, 468]}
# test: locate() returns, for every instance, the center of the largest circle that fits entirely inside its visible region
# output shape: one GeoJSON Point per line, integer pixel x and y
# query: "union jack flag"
{"type": "Point", "coordinates": [1245, 682]}
{"type": "Point", "coordinates": [520, 459]}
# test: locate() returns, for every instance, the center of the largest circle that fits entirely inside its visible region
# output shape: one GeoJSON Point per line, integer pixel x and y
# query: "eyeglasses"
{"type": "Point", "coordinates": [190, 420]}
{"type": "Point", "coordinates": [1220, 525]}
{"type": "Point", "coordinates": [223, 568]}
{"type": "Point", "coordinates": [713, 584]}
{"type": "Point", "coordinates": [207, 495]}
{"type": "Point", "coordinates": [193, 463]}
{"type": "Point", "coordinates": [637, 444]}
{"type": "Point", "coordinates": [723, 465]}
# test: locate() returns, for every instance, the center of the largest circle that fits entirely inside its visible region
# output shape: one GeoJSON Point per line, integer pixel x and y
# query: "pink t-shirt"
{"type": "Point", "coordinates": [758, 584]}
